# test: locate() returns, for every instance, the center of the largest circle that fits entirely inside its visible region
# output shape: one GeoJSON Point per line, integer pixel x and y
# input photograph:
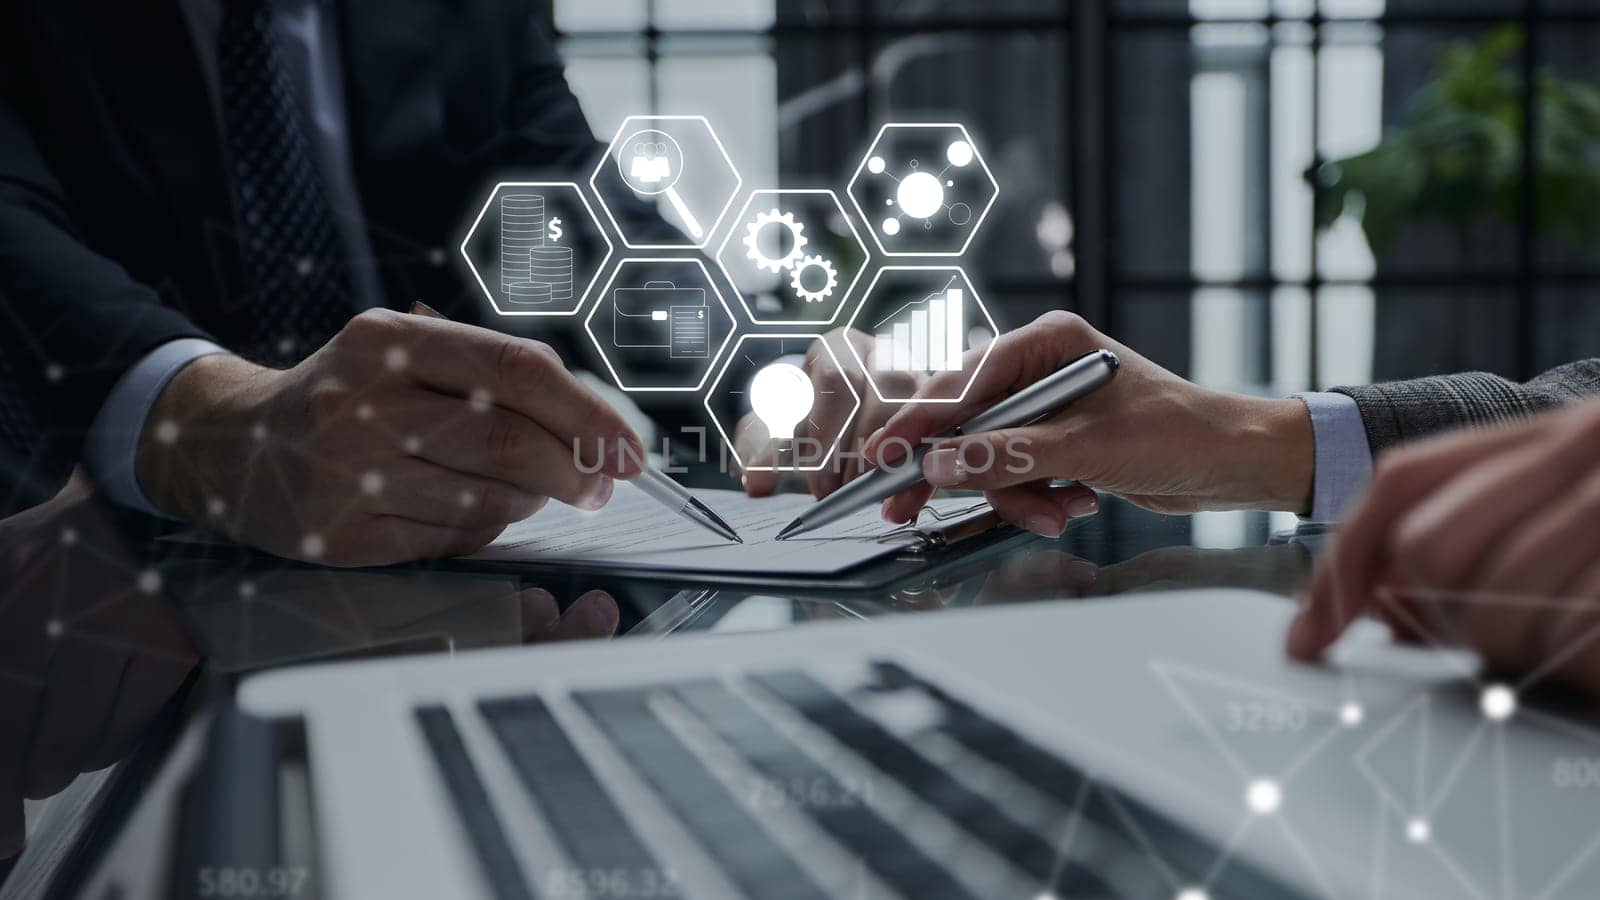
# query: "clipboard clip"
{"type": "Point", "coordinates": [964, 523]}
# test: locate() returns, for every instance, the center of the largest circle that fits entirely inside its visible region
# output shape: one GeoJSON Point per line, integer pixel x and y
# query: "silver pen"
{"type": "Point", "coordinates": [669, 493]}
{"type": "Point", "coordinates": [677, 498]}
{"type": "Point", "coordinates": [1032, 403]}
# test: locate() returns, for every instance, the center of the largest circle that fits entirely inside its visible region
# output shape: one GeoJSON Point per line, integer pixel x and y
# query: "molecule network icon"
{"type": "Point", "coordinates": [923, 189]}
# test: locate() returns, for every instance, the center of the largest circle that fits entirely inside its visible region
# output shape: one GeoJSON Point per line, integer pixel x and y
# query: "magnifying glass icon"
{"type": "Point", "coordinates": [651, 162]}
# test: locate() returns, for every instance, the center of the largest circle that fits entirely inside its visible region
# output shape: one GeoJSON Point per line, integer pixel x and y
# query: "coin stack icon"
{"type": "Point", "coordinates": [532, 273]}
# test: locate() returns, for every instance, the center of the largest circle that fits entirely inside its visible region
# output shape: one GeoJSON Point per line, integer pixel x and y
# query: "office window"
{"type": "Point", "coordinates": [1175, 209]}
{"type": "Point", "coordinates": [799, 89]}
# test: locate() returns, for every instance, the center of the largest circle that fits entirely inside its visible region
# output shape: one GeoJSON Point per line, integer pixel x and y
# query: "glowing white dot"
{"type": "Point", "coordinates": [247, 588]}
{"type": "Point", "coordinates": [372, 483]}
{"type": "Point", "coordinates": [69, 536]}
{"type": "Point", "coordinates": [54, 372]}
{"type": "Point", "coordinates": [413, 445]}
{"type": "Point", "coordinates": [149, 581]}
{"type": "Point", "coordinates": [259, 431]}
{"type": "Point", "coordinates": [167, 432]}
{"type": "Point", "coordinates": [312, 546]}
{"type": "Point", "coordinates": [54, 628]}
{"type": "Point", "coordinates": [1193, 893]}
{"type": "Point", "coordinates": [920, 195]}
{"type": "Point", "coordinates": [1351, 714]}
{"type": "Point", "coordinates": [1418, 831]}
{"type": "Point", "coordinates": [1063, 264]}
{"type": "Point", "coordinates": [467, 499]}
{"type": "Point", "coordinates": [1263, 796]}
{"type": "Point", "coordinates": [891, 227]}
{"type": "Point", "coordinates": [876, 165]}
{"type": "Point", "coordinates": [396, 358]}
{"type": "Point", "coordinates": [364, 412]}
{"type": "Point", "coordinates": [959, 153]}
{"type": "Point", "coordinates": [286, 346]}
{"type": "Point", "coordinates": [480, 400]}
{"type": "Point", "coordinates": [1498, 702]}
{"type": "Point", "coordinates": [303, 267]}
{"type": "Point", "coordinates": [216, 507]}
{"type": "Point", "coordinates": [436, 256]}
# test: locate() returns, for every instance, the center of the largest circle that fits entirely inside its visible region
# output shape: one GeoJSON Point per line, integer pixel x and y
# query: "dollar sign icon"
{"type": "Point", "coordinates": [555, 229]}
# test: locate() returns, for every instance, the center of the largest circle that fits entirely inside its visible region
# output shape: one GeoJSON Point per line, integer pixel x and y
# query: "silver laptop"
{"type": "Point", "coordinates": [1145, 747]}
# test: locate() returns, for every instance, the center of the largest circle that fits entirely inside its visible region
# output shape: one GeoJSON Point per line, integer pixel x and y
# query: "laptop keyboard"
{"type": "Point", "coordinates": [763, 771]}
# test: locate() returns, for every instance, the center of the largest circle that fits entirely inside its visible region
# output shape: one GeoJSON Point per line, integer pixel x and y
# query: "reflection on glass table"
{"type": "Point", "coordinates": [1123, 550]}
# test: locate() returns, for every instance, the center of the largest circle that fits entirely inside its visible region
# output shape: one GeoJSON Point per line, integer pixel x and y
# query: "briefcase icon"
{"type": "Point", "coordinates": [642, 316]}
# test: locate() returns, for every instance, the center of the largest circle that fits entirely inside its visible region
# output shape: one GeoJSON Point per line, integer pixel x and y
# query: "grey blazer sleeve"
{"type": "Point", "coordinates": [1406, 410]}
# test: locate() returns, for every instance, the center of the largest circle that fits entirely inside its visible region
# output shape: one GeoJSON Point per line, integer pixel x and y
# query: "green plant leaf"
{"type": "Point", "coordinates": [1456, 156]}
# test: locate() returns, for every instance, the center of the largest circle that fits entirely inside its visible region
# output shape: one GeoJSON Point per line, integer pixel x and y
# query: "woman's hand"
{"type": "Point", "coordinates": [1160, 441]}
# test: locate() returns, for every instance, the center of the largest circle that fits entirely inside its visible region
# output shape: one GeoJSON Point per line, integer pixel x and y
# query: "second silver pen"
{"type": "Point", "coordinates": [1030, 404]}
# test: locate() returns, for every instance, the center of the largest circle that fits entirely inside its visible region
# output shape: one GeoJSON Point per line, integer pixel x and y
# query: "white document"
{"type": "Point", "coordinates": [635, 532]}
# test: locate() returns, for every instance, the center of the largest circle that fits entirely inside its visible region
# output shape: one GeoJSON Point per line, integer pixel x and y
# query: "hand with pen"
{"type": "Point", "coordinates": [1149, 435]}
{"type": "Point", "coordinates": [404, 437]}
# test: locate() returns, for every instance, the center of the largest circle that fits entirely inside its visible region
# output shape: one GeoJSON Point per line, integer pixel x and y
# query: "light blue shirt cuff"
{"type": "Point", "coordinates": [112, 446]}
{"type": "Point", "coordinates": [1343, 456]}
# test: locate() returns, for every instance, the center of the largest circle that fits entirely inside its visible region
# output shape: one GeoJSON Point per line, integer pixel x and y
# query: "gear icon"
{"type": "Point", "coordinates": [781, 219]}
{"type": "Point", "coordinates": [814, 295]}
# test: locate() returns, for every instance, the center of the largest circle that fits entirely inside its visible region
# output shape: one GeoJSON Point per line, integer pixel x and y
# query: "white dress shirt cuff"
{"type": "Point", "coordinates": [1343, 456]}
{"type": "Point", "coordinates": [112, 447]}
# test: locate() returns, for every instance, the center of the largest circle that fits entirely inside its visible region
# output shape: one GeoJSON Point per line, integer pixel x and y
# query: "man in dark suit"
{"type": "Point", "coordinates": [208, 209]}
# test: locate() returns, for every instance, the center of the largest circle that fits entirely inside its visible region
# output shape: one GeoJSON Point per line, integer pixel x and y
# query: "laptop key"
{"type": "Point", "coordinates": [727, 831]}
{"type": "Point", "coordinates": [975, 813]}
{"type": "Point", "coordinates": [882, 848]}
{"type": "Point", "coordinates": [1053, 776]}
{"type": "Point", "coordinates": [607, 853]}
{"type": "Point", "coordinates": [461, 780]}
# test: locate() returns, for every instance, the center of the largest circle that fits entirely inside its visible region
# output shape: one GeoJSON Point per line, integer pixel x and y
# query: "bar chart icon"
{"type": "Point", "coordinates": [926, 335]}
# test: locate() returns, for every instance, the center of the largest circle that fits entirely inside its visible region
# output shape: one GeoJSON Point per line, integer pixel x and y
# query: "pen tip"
{"type": "Point", "coordinates": [717, 523]}
{"type": "Point", "coordinates": [788, 530]}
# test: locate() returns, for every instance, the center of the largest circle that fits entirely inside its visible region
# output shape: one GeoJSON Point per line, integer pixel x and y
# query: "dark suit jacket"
{"type": "Point", "coordinates": [116, 218]}
{"type": "Point", "coordinates": [1406, 410]}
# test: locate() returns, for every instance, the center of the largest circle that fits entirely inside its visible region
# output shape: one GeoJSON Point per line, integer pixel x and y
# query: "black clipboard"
{"type": "Point", "coordinates": [923, 553]}
{"type": "Point", "coordinates": [938, 548]}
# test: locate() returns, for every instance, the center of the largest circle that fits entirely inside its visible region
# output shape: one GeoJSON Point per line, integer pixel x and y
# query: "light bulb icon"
{"type": "Point", "coordinates": [781, 397]}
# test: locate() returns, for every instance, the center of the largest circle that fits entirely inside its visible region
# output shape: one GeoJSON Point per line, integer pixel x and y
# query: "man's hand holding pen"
{"type": "Point", "coordinates": [404, 437]}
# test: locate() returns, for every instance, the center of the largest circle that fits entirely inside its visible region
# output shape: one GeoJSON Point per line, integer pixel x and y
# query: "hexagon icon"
{"type": "Point", "coordinates": [666, 182]}
{"type": "Point", "coordinates": [757, 378]}
{"type": "Point", "coordinates": [536, 248]}
{"type": "Point", "coordinates": [923, 321]}
{"type": "Point", "coordinates": [797, 253]}
{"type": "Point", "coordinates": [923, 189]}
{"type": "Point", "coordinates": [660, 324]}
